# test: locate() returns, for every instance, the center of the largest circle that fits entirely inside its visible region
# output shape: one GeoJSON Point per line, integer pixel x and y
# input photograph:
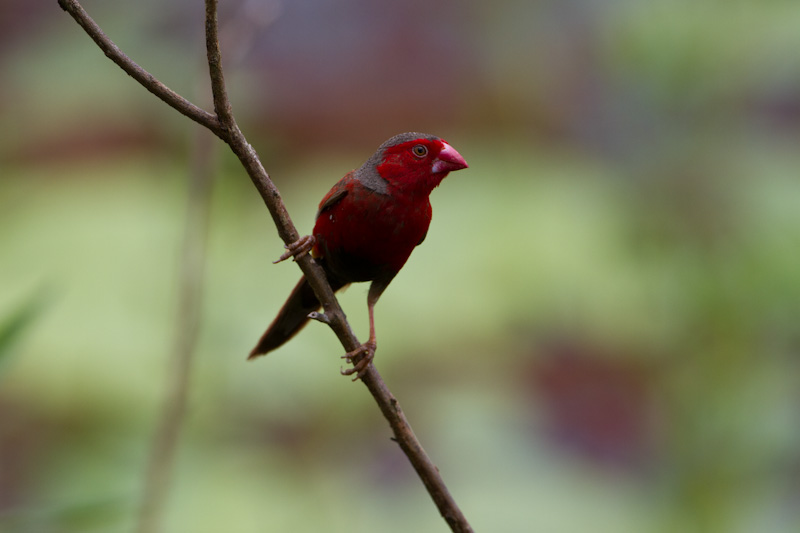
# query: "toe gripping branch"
{"type": "Point", "coordinates": [294, 250]}
{"type": "Point", "coordinates": [360, 367]}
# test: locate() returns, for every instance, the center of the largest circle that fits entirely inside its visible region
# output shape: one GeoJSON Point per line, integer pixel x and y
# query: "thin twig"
{"type": "Point", "coordinates": [229, 132]}
{"type": "Point", "coordinates": [190, 295]}
{"type": "Point", "coordinates": [222, 105]}
{"type": "Point", "coordinates": [147, 80]}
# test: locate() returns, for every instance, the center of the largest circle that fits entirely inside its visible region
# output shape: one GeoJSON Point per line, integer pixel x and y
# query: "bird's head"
{"type": "Point", "coordinates": [414, 162]}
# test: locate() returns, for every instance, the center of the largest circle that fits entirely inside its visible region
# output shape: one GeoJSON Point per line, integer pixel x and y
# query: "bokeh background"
{"type": "Point", "coordinates": [600, 332]}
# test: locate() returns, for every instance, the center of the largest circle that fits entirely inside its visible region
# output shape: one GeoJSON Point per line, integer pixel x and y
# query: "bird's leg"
{"type": "Point", "coordinates": [297, 248]}
{"type": "Point", "coordinates": [367, 349]}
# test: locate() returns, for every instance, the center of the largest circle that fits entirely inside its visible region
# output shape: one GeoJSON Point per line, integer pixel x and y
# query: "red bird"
{"type": "Point", "coordinates": [367, 226]}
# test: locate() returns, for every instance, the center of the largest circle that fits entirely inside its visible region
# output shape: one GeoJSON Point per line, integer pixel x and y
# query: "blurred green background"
{"type": "Point", "coordinates": [600, 332]}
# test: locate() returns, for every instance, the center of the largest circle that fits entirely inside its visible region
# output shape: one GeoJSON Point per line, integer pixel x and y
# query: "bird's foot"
{"type": "Point", "coordinates": [367, 351]}
{"type": "Point", "coordinates": [296, 249]}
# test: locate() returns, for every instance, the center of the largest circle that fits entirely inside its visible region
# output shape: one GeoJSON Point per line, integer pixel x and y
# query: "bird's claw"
{"type": "Point", "coordinates": [367, 351]}
{"type": "Point", "coordinates": [296, 249]}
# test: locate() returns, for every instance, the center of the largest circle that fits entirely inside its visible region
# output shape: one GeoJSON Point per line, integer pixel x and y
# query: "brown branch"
{"type": "Point", "coordinates": [222, 105]}
{"type": "Point", "coordinates": [224, 126]}
{"type": "Point", "coordinates": [147, 80]}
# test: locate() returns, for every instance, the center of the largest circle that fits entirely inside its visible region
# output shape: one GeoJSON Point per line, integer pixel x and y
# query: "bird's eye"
{"type": "Point", "coordinates": [420, 150]}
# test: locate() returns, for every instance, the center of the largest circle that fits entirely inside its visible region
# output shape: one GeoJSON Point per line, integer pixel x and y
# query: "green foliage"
{"type": "Point", "coordinates": [15, 324]}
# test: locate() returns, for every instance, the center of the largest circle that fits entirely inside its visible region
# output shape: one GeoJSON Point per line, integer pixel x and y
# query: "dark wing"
{"type": "Point", "coordinates": [333, 197]}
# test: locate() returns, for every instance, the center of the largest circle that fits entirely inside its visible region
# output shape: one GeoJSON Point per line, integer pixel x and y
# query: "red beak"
{"type": "Point", "coordinates": [448, 160]}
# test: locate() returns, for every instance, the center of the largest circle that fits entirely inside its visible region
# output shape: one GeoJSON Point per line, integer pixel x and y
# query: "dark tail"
{"type": "Point", "coordinates": [291, 318]}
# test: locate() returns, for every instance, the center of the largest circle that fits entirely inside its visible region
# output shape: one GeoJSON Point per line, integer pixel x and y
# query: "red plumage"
{"type": "Point", "coordinates": [367, 226]}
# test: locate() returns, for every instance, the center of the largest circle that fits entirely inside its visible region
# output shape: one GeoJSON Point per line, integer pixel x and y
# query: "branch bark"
{"type": "Point", "coordinates": [147, 80]}
{"type": "Point", "coordinates": [224, 126]}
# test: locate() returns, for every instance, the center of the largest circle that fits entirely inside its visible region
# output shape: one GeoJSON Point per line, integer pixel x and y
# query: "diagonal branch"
{"type": "Point", "coordinates": [225, 127]}
{"type": "Point", "coordinates": [147, 80]}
